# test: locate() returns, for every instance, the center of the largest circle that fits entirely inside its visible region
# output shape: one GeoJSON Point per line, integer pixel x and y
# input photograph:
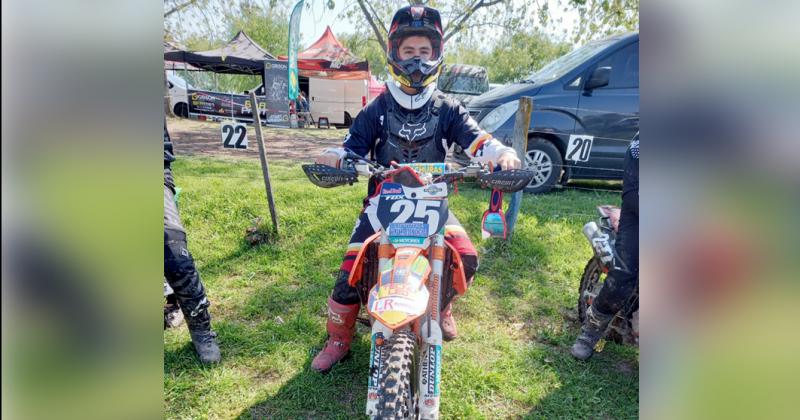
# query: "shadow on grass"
{"type": "Point", "coordinates": [605, 386]}
{"type": "Point", "coordinates": [339, 394]}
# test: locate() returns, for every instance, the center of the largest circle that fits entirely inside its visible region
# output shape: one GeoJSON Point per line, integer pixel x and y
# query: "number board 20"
{"type": "Point", "coordinates": [579, 147]}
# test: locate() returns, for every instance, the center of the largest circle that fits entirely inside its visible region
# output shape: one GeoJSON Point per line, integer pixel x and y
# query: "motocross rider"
{"type": "Point", "coordinates": [180, 271]}
{"type": "Point", "coordinates": [411, 121]}
{"type": "Point", "coordinates": [622, 278]}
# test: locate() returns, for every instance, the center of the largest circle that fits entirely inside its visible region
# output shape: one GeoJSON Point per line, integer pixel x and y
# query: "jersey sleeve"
{"type": "Point", "coordinates": [366, 129]}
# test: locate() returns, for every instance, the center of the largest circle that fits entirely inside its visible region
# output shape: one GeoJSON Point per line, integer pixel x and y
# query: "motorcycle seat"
{"type": "Point", "coordinates": [612, 212]}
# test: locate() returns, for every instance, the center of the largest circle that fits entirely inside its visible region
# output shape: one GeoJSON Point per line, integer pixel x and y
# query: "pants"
{"type": "Point", "coordinates": [454, 234]}
{"type": "Point", "coordinates": [621, 282]}
{"type": "Point", "coordinates": [179, 268]}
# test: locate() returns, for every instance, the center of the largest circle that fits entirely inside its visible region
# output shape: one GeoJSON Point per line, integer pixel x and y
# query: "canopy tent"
{"type": "Point", "coordinates": [175, 65]}
{"type": "Point", "coordinates": [329, 59]}
{"type": "Point", "coordinates": [241, 55]}
{"type": "Point", "coordinates": [375, 86]}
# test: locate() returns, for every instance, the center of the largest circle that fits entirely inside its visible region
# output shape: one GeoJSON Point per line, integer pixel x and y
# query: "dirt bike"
{"type": "Point", "coordinates": [406, 274]}
{"type": "Point", "coordinates": [624, 328]}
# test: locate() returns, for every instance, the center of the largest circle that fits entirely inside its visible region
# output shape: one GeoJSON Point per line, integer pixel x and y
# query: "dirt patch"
{"type": "Point", "coordinates": [192, 137]}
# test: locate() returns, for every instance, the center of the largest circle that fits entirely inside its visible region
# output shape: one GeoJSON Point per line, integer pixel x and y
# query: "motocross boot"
{"type": "Point", "coordinates": [199, 322]}
{"type": "Point", "coordinates": [448, 324]}
{"type": "Point", "coordinates": [341, 327]}
{"type": "Point", "coordinates": [591, 332]}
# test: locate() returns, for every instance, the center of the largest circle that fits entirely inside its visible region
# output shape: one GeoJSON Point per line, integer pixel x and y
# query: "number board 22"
{"type": "Point", "coordinates": [579, 147]}
{"type": "Point", "coordinates": [234, 135]}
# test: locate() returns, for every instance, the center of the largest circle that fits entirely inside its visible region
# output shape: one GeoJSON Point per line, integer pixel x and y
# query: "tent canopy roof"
{"type": "Point", "coordinates": [241, 55]}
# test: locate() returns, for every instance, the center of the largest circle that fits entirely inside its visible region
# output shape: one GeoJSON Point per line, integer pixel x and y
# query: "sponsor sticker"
{"type": "Point", "coordinates": [408, 229]}
{"type": "Point", "coordinates": [392, 189]}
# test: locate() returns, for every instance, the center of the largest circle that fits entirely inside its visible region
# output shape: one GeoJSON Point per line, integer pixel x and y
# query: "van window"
{"type": "Point", "coordinates": [624, 67]}
{"type": "Point", "coordinates": [566, 63]}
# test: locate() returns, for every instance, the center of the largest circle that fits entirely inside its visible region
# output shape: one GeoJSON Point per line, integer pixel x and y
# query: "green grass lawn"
{"type": "Point", "coordinates": [268, 302]}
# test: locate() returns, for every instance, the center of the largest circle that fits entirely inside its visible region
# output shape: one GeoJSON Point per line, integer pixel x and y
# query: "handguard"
{"type": "Point", "coordinates": [327, 177]}
{"type": "Point", "coordinates": [508, 181]}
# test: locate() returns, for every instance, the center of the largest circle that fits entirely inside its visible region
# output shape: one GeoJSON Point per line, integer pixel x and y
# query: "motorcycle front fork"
{"type": "Point", "coordinates": [429, 357]}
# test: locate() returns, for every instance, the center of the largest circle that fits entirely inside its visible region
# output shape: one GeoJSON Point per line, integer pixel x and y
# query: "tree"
{"type": "Point", "coordinates": [522, 53]}
{"type": "Point", "coordinates": [458, 16]}
{"type": "Point", "coordinates": [600, 18]}
{"type": "Point", "coordinates": [214, 24]}
{"type": "Point", "coordinates": [360, 44]}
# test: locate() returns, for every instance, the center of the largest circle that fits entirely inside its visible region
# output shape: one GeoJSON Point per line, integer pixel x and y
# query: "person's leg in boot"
{"type": "Point", "coordinates": [344, 303]}
{"type": "Point", "coordinates": [343, 308]}
{"type": "Point", "coordinates": [456, 236]}
{"type": "Point", "coordinates": [619, 285]}
{"type": "Point", "coordinates": [182, 276]}
{"type": "Point", "coordinates": [204, 339]}
{"type": "Point", "coordinates": [591, 332]}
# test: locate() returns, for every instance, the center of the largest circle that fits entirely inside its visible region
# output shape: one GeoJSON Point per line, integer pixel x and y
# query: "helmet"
{"type": "Point", "coordinates": [409, 21]}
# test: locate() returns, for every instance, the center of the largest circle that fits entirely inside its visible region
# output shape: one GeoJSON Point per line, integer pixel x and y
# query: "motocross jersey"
{"type": "Point", "coordinates": [387, 131]}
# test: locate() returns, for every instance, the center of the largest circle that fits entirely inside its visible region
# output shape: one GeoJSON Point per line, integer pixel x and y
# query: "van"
{"type": "Point", "coordinates": [585, 112]}
{"type": "Point", "coordinates": [178, 97]}
{"type": "Point", "coordinates": [337, 100]}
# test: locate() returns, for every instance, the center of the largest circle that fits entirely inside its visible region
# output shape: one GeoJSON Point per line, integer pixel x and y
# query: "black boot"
{"type": "Point", "coordinates": [199, 322]}
{"type": "Point", "coordinates": [591, 332]}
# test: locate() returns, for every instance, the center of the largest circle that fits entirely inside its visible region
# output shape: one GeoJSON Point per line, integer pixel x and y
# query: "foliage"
{"type": "Point", "coordinates": [265, 23]}
{"type": "Point", "coordinates": [521, 54]}
{"type": "Point", "coordinates": [363, 45]}
{"type": "Point", "coordinates": [600, 18]}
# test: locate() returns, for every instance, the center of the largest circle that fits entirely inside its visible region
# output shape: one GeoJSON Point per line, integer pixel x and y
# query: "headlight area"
{"type": "Point", "coordinates": [494, 119]}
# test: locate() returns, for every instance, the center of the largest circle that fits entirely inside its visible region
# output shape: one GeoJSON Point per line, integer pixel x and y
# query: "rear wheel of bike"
{"type": "Point", "coordinates": [395, 394]}
{"type": "Point", "coordinates": [591, 283]}
{"type": "Point", "coordinates": [590, 286]}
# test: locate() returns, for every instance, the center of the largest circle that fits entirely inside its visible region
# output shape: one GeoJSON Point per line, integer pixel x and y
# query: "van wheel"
{"type": "Point", "coordinates": [348, 121]}
{"type": "Point", "coordinates": [181, 110]}
{"type": "Point", "coordinates": [544, 159]}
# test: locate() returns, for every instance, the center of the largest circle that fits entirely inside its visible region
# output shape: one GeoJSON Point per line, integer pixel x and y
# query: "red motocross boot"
{"type": "Point", "coordinates": [341, 327]}
{"type": "Point", "coordinates": [448, 324]}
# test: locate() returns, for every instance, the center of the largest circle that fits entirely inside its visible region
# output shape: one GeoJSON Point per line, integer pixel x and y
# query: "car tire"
{"type": "Point", "coordinates": [181, 110]}
{"type": "Point", "coordinates": [544, 159]}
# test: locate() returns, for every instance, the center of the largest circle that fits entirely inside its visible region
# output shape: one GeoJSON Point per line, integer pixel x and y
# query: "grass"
{"type": "Point", "coordinates": [516, 323]}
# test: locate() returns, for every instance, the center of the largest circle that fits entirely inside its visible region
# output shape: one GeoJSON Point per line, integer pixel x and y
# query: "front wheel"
{"type": "Point", "coordinates": [395, 392]}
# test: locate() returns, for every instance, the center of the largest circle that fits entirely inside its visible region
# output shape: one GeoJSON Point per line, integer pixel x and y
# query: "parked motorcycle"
{"type": "Point", "coordinates": [406, 274]}
{"type": "Point", "coordinates": [624, 328]}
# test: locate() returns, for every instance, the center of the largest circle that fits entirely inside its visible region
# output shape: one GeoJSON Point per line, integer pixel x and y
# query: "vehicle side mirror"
{"type": "Point", "coordinates": [600, 78]}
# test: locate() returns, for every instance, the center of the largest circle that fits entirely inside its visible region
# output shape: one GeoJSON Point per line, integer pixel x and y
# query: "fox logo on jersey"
{"type": "Point", "coordinates": [412, 131]}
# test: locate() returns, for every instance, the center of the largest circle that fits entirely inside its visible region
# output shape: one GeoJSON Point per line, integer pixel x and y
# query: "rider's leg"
{"type": "Point", "coordinates": [620, 282]}
{"type": "Point", "coordinates": [456, 236]}
{"type": "Point", "coordinates": [183, 278]}
{"type": "Point", "coordinates": [344, 303]}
